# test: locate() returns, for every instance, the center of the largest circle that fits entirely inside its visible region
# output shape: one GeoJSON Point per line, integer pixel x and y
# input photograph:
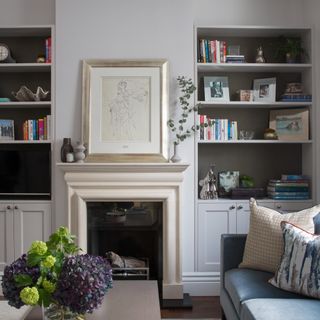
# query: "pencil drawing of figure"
{"type": "Point", "coordinates": [125, 109]}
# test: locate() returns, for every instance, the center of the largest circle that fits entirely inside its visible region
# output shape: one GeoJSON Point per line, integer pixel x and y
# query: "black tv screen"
{"type": "Point", "coordinates": [25, 172]}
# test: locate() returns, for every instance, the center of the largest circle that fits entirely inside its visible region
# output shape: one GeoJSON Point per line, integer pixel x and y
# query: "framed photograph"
{"type": "Point", "coordinates": [264, 90]}
{"type": "Point", "coordinates": [216, 89]}
{"type": "Point", "coordinates": [125, 107]}
{"type": "Point", "coordinates": [6, 129]}
{"type": "Point", "coordinates": [290, 124]}
{"type": "Point", "coordinates": [228, 180]}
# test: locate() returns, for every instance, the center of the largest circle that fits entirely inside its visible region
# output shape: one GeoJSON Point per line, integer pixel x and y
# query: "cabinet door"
{"type": "Point", "coordinates": [243, 217]}
{"type": "Point", "coordinates": [287, 206]}
{"type": "Point", "coordinates": [32, 221]}
{"type": "Point", "coordinates": [6, 235]}
{"type": "Point", "coordinates": [213, 220]}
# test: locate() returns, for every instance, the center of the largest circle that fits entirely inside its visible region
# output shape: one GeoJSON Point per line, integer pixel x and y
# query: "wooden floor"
{"type": "Point", "coordinates": [203, 307]}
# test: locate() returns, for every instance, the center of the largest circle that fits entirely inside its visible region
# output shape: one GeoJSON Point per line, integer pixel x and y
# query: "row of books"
{"type": "Point", "coordinates": [37, 129]}
{"type": "Point", "coordinates": [289, 187]}
{"type": "Point", "coordinates": [48, 54]}
{"type": "Point", "coordinates": [212, 51]}
{"type": "Point", "coordinates": [217, 129]}
{"type": "Point", "coordinates": [296, 97]}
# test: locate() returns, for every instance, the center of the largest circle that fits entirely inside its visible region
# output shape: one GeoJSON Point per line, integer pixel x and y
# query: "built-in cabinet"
{"type": "Point", "coordinates": [227, 216]}
{"type": "Point", "coordinates": [259, 158]}
{"type": "Point", "coordinates": [25, 153]}
{"type": "Point", "coordinates": [20, 224]}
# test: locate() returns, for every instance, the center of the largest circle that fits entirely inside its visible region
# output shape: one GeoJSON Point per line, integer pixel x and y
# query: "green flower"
{"type": "Point", "coordinates": [63, 231]}
{"type": "Point", "coordinates": [49, 261]}
{"type": "Point", "coordinates": [48, 286]}
{"type": "Point", "coordinates": [29, 296]}
{"type": "Point", "coordinates": [38, 247]}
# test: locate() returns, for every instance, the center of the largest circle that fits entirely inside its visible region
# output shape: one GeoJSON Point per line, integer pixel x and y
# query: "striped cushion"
{"type": "Point", "coordinates": [264, 245]}
{"type": "Point", "coordinates": [299, 269]}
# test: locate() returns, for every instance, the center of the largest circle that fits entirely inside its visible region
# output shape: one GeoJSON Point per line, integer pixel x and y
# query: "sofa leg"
{"type": "Point", "coordinates": [223, 316]}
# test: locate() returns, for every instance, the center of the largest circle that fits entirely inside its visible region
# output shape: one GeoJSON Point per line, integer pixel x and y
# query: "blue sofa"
{"type": "Point", "coordinates": [247, 295]}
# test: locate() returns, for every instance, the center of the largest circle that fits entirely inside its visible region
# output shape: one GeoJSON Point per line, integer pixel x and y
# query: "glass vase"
{"type": "Point", "coordinates": [176, 154]}
{"type": "Point", "coordinates": [57, 312]}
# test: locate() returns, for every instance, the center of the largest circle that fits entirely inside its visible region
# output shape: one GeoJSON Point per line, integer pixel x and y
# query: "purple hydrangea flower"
{"type": "Point", "coordinates": [10, 290]}
{"type": "Point", "coordinates": [83, 282]}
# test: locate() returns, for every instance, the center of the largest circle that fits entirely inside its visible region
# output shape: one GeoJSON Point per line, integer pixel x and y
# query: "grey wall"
{"type": "Point", "coordinates": [144, 29]}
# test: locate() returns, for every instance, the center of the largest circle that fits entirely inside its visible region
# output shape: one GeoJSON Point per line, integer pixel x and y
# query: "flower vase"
{"type": "Point", "coordinates": [176, 156]}
{"type": "Point", "coordinates": [57, 312]}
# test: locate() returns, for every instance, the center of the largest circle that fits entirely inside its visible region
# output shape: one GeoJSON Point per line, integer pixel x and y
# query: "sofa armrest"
{"type": "Point", "coordinates": [232, 248]}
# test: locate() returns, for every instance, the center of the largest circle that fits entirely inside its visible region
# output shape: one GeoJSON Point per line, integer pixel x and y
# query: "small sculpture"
{"type": "Point", "coordinates": [79, 154]}
{"type": "Point", "coordinates": [259, 57]}
{"type": "Point", "coordinates": [25, 94]}
{"type": "Point", "coordinates": [209, 185]}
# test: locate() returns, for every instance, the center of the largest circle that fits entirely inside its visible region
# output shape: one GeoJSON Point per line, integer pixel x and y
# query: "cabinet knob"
{"type": "Point", "coordinates": [232, 207]}
{"type": "Point", "coordinates": [240, 207]}
{"type": "Point", "coordinates": [16, 207]}
{"type": "Point", "coordinates": [278, 206]}
{"type": "Point", "coordinates": [8, 207]}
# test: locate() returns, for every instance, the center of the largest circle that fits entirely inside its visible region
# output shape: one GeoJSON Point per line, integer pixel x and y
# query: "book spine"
{"type": "Point", "coordinates": [200, 56]}
{"type": "Point", "coordinates": [214, 51]}
{"type": "Point", "coordinates": [207, 50]}
{"type": "Point", "coordinates": [296, 177]}
{"type": "Point", "coordinates": [49, 127]}
{"type": "Point", "coordinates": [224, 51]}
{"type": "Point", "coordinates": [41, 129]}
{"type": "Point", "coordinates": [209, 129]}
{"type": "Point", "coordinates": [201, 127]}
{"type": "Point", "coordinates": [45, 128]}
{"type": "Point", "coordinates": [49, 50]}
{"type": "Point", "coordinates": [287, 189]}
{"type": "Point", "coordinates": [203, 50]}
{"type": "Point", "coordinates": [218, 51]}
{"type": "Point", "coordinates": [30, 129]}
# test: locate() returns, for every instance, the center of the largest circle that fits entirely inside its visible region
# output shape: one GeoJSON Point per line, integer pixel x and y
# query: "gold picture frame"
{"type": "Point", "coordinates": [125, 110]}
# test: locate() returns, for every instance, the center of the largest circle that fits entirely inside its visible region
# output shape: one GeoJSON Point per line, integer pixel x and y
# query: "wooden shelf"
{"type": "Point", "coordinates": [253, 67]}
{"type": "Point", "coordinates": [255, 141]}
{"type": "Point", "coordinates": [25, 142]}
{"type": "Point", "coordinates": [25, 104]}
{"type": "Point", "coordinates": [247, 104]}
{"type": "Point", "coordinates": [25, 67]}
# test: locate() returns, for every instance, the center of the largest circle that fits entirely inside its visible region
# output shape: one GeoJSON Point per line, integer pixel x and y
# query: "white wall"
{"type": "Point", "coordinates": [144, 29]}
{"type": "Point", "coordinates": [27, 12]}
{"type": "Point", "coordinates": [311, 17]}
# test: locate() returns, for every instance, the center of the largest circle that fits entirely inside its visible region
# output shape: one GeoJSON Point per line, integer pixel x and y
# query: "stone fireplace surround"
{"type": "Point", "coordinates": [128, 182]}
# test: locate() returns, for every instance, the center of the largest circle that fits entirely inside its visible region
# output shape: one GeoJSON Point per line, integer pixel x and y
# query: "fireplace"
{"type": "Point", "coordinates": [130, 231]}
{"type": "Point", "coordinates": [137, 182]}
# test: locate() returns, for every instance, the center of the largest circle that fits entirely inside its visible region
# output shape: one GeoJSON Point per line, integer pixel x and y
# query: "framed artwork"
{"type": "Point", "coordinates": [125, 107]}
{"type": "Point", "coordinates": [6, 129]}
{"type": "Point", "coordinates": [264, 90]}
{"type": "Point", "coordinates": [228, 180]}
{"type": "Point", "coordinates": [290, 124]}
{"type": "Point", "coordinates": [216, 89]}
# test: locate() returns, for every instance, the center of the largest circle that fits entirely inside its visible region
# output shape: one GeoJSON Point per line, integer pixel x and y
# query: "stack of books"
{"type": "Point", "coordinates": [290, 187]}
{"type": "Point", "coordinates": [38, 129]}
{"type": "Point", "coordinates": [217, 129]}
{"type": "Point", "coordinates": [214, 51]}
{"type": "Point", "coordinates": [235, 59]}
{"type": "Point", "coordinates": [48, 54]}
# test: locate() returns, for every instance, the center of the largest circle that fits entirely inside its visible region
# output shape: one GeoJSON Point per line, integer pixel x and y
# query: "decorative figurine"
{"type": "Point", "coordinates": [209, 185]}
{"type": "Point", "coordinates": [79, 154]}
{"type": "Point", "coordinates": [259, 57]}
{"type": "Point", "coordinates": [65, 149]}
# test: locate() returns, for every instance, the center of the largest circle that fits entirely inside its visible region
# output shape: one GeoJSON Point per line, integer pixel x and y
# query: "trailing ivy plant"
{"type": "Point", "coordinates": [180, 128]}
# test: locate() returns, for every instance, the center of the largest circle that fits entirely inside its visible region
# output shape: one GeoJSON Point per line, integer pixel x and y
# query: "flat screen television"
{"type": "Point", "coordinates": [25, 173]}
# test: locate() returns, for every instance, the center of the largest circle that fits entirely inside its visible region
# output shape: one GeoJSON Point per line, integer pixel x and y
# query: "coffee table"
{"type": "Point", "coordinates": [127, 300]}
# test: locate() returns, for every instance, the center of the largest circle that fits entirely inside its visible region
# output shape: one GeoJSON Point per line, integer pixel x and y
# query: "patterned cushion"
{"type": "Point", "coordinates": [299, 270]}
{"type": "Point", "coordinates": [264, 245]}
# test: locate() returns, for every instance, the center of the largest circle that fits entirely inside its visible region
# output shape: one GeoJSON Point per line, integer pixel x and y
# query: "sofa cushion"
{"type": "Point", "coordinates": [299, 269]}
{"type": "Point", "coordinates": [264, 245]}
{"type": "Point", "coordinates": [280, 309]}
{"type": "Point", "coordinates": [244, 284]}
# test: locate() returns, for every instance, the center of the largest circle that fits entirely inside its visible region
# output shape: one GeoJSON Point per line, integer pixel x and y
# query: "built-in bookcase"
{"type": "Point", "coordinates": [259, 158]}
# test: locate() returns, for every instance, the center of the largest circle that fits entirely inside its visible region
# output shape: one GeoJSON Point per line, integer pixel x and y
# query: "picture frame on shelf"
{"type": "Point", "coordinates": [6, 129]}
{"type": "Point", "coordinates": [290, 124]}
{"type": "Point", "coordinates": [264, 90]}
{"type": "Point", "coordinates": [227, 181]}
{"type": "Point", "coordinates": [216, 89]}
{"type": "Point", "coordinates": [125, 107]}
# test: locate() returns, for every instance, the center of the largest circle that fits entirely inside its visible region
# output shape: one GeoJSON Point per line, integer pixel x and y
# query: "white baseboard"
{"type": "Point", "coordinates": [201, 283]}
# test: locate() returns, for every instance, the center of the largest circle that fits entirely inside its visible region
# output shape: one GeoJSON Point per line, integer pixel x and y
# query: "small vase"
{"type": "Point", "coordinates": [65, 149]}
{"type": "Point", "coordinates": [176, 156]}
{"type": "Point", "coordinates": [57, 312]}
{"type": "Point", "coordinates": [79, 154]}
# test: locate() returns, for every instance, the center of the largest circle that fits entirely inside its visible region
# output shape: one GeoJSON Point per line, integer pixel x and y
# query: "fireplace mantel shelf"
{"type": "Point", "coordinates": [123, 167]}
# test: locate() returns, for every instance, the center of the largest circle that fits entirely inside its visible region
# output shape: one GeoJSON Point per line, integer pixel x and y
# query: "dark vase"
{"type": "Point", "coordinates": [66, 148]}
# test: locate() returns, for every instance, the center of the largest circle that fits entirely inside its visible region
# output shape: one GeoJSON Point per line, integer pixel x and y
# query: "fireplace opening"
{"type": "Point", "coordinates": [130, 234]}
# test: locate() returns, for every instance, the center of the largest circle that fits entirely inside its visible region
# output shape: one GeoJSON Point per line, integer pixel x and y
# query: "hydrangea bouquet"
{"type": "Point", "coordinates": [54, 275]}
